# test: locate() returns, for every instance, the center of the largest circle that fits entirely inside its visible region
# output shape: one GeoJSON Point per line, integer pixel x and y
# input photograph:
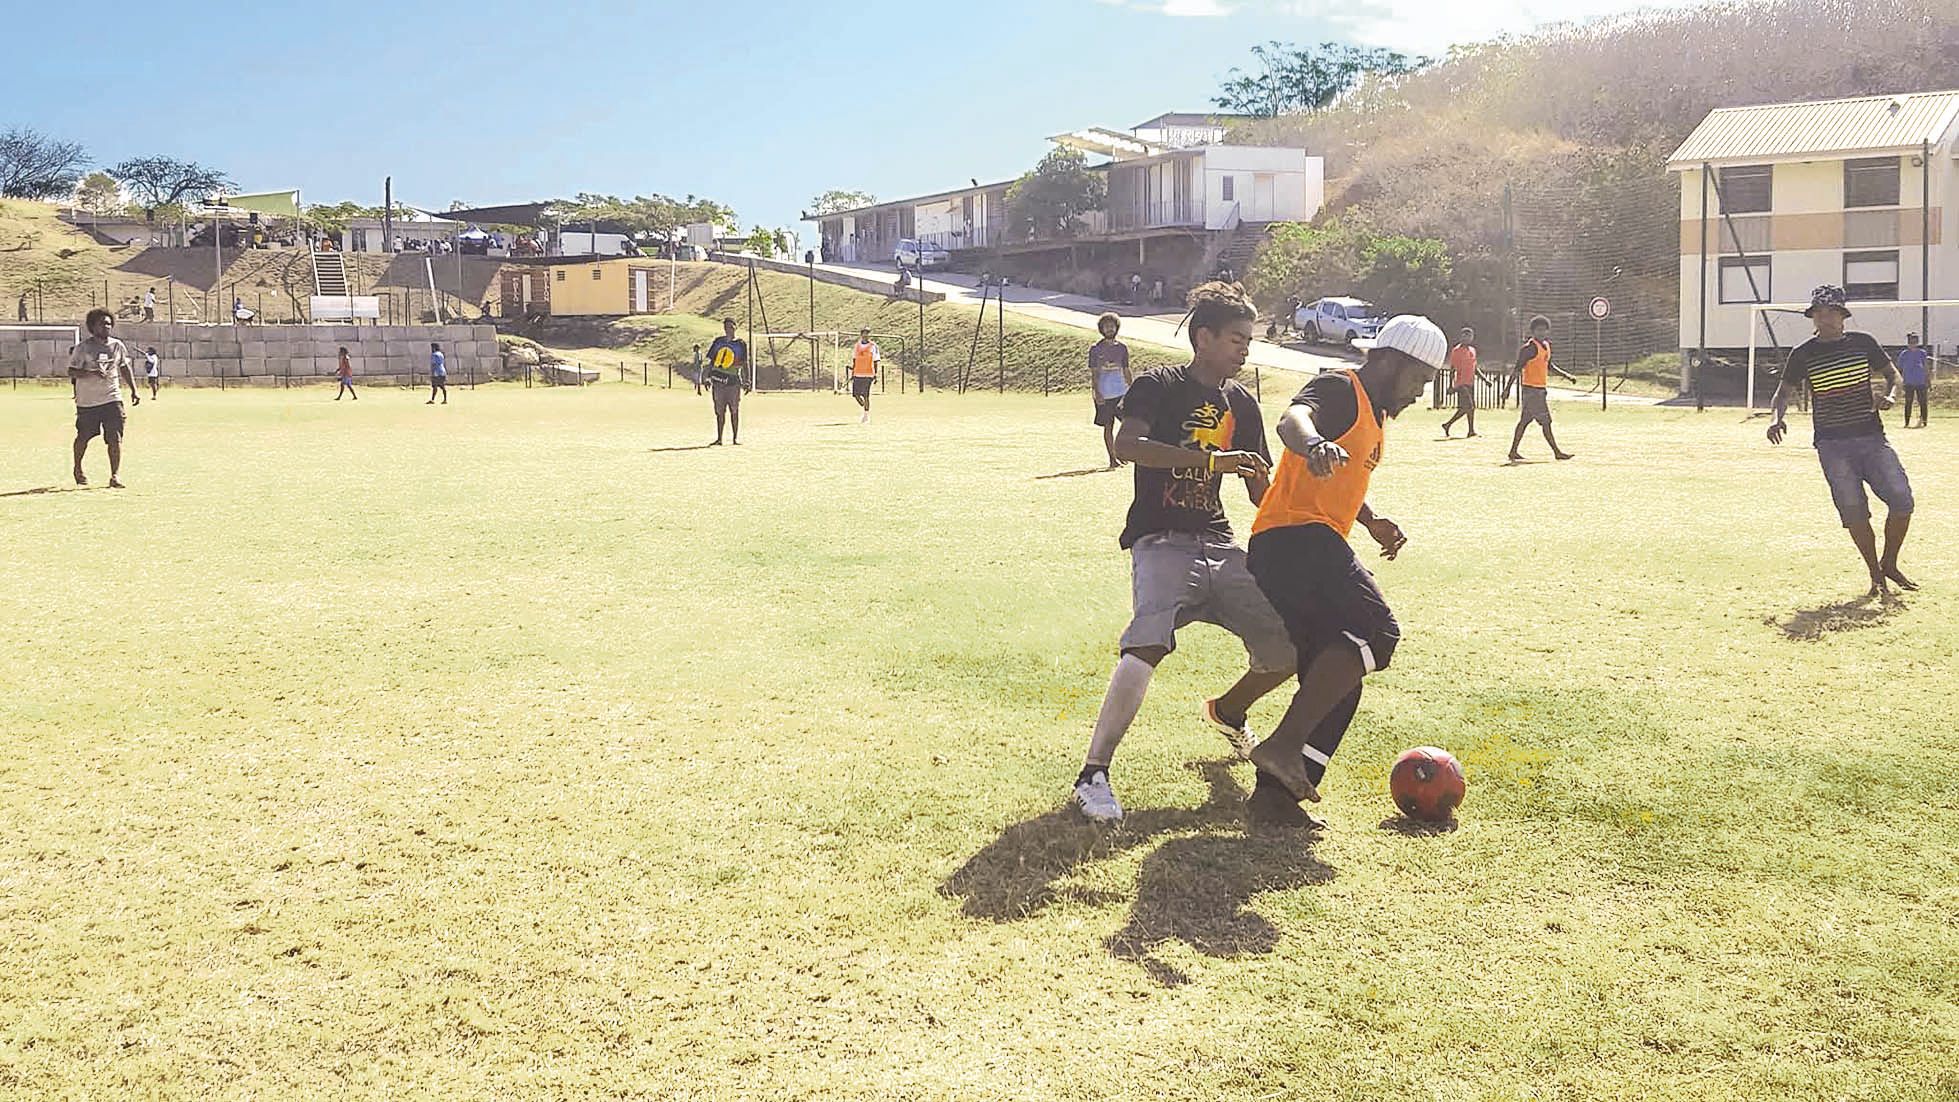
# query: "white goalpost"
{"type": "Point", "coordinates": [1935, 320]}
{"type": "Point", "coordinates": [810, 344]}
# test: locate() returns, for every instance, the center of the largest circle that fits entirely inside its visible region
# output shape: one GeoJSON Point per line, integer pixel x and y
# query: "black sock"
{"type": "Point", "coordinates": [1315, 772]}
{"type": "Point", "coordinates": [1088, 773]}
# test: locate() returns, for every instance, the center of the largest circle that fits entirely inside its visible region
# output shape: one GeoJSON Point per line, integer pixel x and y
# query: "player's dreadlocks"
{"type": "Point", "coordinates": [1214, 304]}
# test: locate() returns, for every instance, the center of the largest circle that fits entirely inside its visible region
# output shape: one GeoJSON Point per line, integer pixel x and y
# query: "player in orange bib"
{"type": "Point", "coordinates": [1533, 372]}
{"type": "Point", "coordinates": [1340, 624]}
{"type": "Point", "coordinates": [864, 360]}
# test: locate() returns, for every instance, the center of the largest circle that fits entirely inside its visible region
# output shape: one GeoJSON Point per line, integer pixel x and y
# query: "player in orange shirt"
{"type": "Point", "coordinates": [1533, 373]}
{"type": "Point", "coordinates": [1463, 376]}
{"type": "Point", "coordinates": [864, 360]}
{"type": "Point", "coordinates": [1334, 433]}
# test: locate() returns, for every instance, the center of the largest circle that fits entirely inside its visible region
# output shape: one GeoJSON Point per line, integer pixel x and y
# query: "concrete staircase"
{"type": "Point", "coordinates": [1239, 249]}
{"type": "Point", "coordinates": [329, 274]}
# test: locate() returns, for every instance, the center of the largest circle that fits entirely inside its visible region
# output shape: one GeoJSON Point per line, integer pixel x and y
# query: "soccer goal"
{"type": "Point", "coordinates": [1936, 321]}
{"type": "Point", "coordinates": [795, 361]}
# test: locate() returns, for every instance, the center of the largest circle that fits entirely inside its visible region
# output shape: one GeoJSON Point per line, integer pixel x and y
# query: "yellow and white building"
{"type": "Point", "coordinates": [1855, 192]}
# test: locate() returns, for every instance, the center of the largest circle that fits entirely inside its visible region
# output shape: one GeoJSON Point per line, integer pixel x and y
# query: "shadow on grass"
{"type": "Point", "coordinates": [1810, 624]}
{"type": "Point", "coordinates": [1198, 890]}
{"type": "Point", "coordinates": [47, 490]}
{"type": "Point", "coordinates": [1417, 828]}
{"type": "Point", "coordinates": [1015, 876]}
{"type": "Point", "coordinates": [1194, 889]}
{"type": "Point", "coordinates": [683, 448]}
{"type": "Point", "coordinates": [1076, 474]}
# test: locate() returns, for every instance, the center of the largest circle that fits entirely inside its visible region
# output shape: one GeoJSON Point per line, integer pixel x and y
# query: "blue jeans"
{"type": "Point", "coordinates": [1850, 463]}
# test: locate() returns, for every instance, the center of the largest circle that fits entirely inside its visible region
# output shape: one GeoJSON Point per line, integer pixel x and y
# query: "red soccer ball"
{"type": "Point", "coordinates": [1426, 784]}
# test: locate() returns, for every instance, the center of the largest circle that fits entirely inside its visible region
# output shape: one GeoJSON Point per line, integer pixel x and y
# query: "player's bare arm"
{"type": "Point", "coordinates": [1133, 444]}
{"type": "Point", "coordinates": [1385, 532]}
{"type": "Point", "coordinates": [1778, 428]}
{"type": "Point", "coordinates": [1298, 434]}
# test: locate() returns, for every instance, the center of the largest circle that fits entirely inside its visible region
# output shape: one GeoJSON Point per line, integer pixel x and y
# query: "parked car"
{"type": "Point", "coordinates": [912, 253]}
{"type": "Point", "coordinates": [1339, 319]}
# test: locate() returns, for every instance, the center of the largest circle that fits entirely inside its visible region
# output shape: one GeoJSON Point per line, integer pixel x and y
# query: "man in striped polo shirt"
{"type": "Point", "coordinates": [1840, 368]}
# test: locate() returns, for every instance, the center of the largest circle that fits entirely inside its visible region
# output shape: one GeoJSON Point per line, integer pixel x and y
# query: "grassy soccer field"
{"type": "Point", "coordinates": [525, 749]}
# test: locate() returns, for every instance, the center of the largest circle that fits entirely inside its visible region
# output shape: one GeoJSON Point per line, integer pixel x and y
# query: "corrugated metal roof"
{"type": "Point", "coordinates": [1838, 127]}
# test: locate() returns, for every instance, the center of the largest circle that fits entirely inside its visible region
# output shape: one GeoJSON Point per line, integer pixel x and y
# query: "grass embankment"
{"type": "Point", "coordinates": [1037, 352]}
{"type": "Point", "coordinates": [525, 748]}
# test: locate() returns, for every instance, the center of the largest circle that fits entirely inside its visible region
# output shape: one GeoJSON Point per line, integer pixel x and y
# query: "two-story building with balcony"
{"type": "Point", "coordinates": [1779, 198]}
{"type": "Point", "coordinates": [1179, 203]}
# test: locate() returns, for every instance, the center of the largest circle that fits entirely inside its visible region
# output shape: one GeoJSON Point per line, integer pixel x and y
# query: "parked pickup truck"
{"type": "Point", "coordinates": [1338, 319]}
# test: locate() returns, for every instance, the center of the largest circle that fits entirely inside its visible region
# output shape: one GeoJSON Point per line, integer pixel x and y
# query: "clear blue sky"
{"type": "Point", "coordinates": [760, 104]}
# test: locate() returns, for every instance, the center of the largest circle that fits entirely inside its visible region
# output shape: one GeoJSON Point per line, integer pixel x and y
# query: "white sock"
{"type": "Point", "coordinates": [1127, 686]}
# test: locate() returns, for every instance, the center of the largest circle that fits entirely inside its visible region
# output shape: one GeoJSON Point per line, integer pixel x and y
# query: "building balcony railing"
{"type": "Point", "coordinates": [1160, 214]}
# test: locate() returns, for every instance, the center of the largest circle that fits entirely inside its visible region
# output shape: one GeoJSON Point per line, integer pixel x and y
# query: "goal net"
{"type": "Point", "coordinates": [794, 361]}
{"type": "Point", "coordinates": [1776, 327]}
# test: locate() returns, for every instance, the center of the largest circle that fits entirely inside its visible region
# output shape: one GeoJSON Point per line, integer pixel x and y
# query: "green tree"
{"type": "Point", "coordinates": [332, 218]}
{"type": "Point", "coordinates": [834, 200]}
{"type": "Point", "coordinates": [158, 181]}
{"type": "Point", "coordinates": [98, 193]}
{"type": "Point", "coordinates": [1310, 260]}
{"type": "Point", "coordinates": [1049, 201]}
{"type": "Point", "coordinates": [763, 241]}
{"type": "Point", "coordinates": [1306, 78]}
{"type": "Point", "coordinates": [1408, 275]}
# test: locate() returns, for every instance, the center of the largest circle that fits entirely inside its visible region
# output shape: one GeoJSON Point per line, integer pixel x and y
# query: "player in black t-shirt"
{"type": "Point", "coordinates": [1184, 428]}
{"type": "Point", "coordinates": [1839, 369]}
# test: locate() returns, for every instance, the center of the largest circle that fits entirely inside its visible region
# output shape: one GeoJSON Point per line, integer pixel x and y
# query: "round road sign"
{"type": "Point", "coordinates": [1601, 309]}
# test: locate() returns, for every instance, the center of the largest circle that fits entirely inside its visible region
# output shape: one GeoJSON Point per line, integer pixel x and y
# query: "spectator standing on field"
{"type": "Point", "coordinates": [1917, 376]}
{"type": "Point", "coordinates": [151, 371]}
{"type": "Point", "coordinates": [1108, 371]}
{"type": "Point", "coordinates": [727, 378]}
{"type": "Point", "coordinates": [438, 375]}
{"type": "Point", "coordinates": [99, 368]}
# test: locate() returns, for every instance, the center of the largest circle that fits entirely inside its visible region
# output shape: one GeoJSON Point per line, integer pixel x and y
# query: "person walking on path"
{"type": "Point", "coordinates": [1917, 375]}
{"type": "Point", "coordinates": [1339, 622]}
{"type": "Point", "coordinates": [346, 373]}
{"type": "Point", "coordinates": [438, 375]}
{"type": "Point", "coordinates": [1533, 374]}
{"type": "Point", "coordinates": [149, 305]}
{"type": "Point", "coordinates": [1184, 428]}
{"type": "Point", "coordinates": [23, 306]}
{"type": "Point", "coordinates": [1108, 370]}
{"type": "Point", "coordinates": [864, 361]}
{"type": "Point", "coordinates": [1840, 368]}
{"type": "Point", "coordinates": [99, 368]}
{"type": "Point", "coordinates": [727, 378]}
{"type": "Point", "coordinates": [152, 369]}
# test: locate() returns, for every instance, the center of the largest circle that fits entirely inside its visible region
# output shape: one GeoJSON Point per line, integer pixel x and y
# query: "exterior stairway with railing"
{"type": "Point", "coordinates": [330, 274]}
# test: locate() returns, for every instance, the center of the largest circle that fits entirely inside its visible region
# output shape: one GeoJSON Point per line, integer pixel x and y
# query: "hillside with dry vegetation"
{"type": "Point", "coordinates": [1562, 136]}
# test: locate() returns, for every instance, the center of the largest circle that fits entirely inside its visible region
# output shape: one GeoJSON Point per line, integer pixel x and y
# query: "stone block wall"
{"type": "Point", "coordinates": [268, 355]}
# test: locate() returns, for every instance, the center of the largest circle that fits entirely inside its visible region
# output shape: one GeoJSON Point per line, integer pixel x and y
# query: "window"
{"type": "Point", "coordinates": [1737, 271]}
{"type": "Point", "coordinates": [1228, 181]}
{"type": "Point", "coordinates": [561, 275]}
{"type": "Point", "coordinates": [1870, 182]}
{"type": "Point", "coordinates": [1747, 189]}
{"type": "Point", "coordinates": [1871, 275]}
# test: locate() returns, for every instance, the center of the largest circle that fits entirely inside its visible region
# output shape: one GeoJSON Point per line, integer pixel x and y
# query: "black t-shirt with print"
{"type": "Point", "coordinates": [1840, 374]}
{"type": "Point", "coordinates": [1184, 413]}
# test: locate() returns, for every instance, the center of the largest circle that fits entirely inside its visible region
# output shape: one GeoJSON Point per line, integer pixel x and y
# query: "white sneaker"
{"type": "Point", "coordinates": [1241, 737]}
{"type": "Point", "coordinates": [1097, 802]}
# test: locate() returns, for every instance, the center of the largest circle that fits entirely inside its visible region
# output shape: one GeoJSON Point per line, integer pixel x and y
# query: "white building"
{"type": "Point", "coordinates": [1856, 192]}
{"type": "Point", "coordinates": [1176, 196]}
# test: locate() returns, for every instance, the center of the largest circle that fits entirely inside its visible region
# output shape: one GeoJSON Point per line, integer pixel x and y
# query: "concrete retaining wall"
{"type": "Point", "coordinates": [196, 355]}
